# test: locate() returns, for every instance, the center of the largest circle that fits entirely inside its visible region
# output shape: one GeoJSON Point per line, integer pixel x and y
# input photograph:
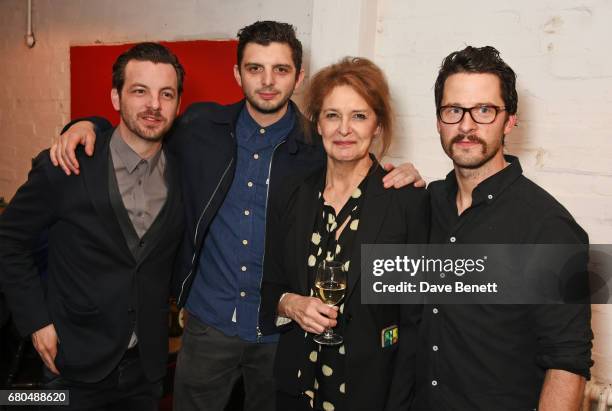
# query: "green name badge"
{"type": "Point", "coordinates": [389, 336]}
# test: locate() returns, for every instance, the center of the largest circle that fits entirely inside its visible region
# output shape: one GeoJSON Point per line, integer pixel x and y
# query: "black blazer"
{"type": "Point", "coordinates": [377, 378]}
{"type": "Point", "coordinates": [203, 138]}
{"type": "Point", "coordinates": [97, 287]}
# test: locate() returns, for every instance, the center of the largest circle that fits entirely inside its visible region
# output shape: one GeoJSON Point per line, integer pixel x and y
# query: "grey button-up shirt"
{"type": "Point", "coordinates": [142, 187]}
{"type": "Point", "coordinates": [141, 183]}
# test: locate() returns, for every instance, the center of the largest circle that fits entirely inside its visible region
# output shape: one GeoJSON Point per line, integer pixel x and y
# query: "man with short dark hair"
{"type": "Point", "coordinates": [222, 341]}
{"type": "Point", "coordinates": [495, 357]}
{"type": "Point", "coordinates": [235, 161]}
{"type": "Point", "coordinates": [99, 321]}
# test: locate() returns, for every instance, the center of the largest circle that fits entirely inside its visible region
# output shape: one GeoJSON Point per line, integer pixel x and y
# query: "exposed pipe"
{"type": "Point", "coordinates": [29, 38]}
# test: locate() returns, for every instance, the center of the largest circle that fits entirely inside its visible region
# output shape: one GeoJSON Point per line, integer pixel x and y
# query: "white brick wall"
{"type": "Point", "coordinates": [560, 53]}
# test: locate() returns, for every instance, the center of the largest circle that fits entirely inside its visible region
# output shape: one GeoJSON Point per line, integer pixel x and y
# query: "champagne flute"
{"type": "Point", "coordinates": [330, 283]}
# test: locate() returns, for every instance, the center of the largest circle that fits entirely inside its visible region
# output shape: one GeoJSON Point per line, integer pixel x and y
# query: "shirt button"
{"type": "Point", "coordinates": [242, 294]}
{"type": "Point", "coordinates": [247, 212]}
{"type": "Point", "coordinates": [490, 196]}
{"type": "Point", "coordinates": [250, 184]}
{"type": "Point", "coordinates": [435, 348]}
{"type": "Point", "coordinates": [453, 239]}
{"type": "Point", "coordinates": [256, 156]}
{"type": "Point", "coordinates": [262, 131]}
{"type": "Point", "coordinates": [434, 383]}
{"type": "Point", "coordinates": [243, 268]}
{"type": "Point", "coordinates": [245, 242]}
{"type": "Point", "coordinates": [139, 182]}
{"type": "Point", "coordinates": [435, 311]}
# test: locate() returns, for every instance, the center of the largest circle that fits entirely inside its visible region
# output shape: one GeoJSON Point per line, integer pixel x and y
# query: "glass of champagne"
{"type": "Point", "coordinates": [330, 283]}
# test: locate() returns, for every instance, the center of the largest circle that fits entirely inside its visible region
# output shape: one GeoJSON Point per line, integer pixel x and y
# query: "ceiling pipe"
{"type": "Point", "coordinates": [29, 38]}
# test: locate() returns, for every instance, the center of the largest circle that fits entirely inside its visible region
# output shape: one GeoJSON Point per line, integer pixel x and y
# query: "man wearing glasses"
{"type": "Point", "coordinates": [495, 357]}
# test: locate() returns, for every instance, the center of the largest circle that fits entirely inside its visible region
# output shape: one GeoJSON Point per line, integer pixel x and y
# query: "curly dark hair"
{"type": "Point", "coordinates": [266, 32]}
{"type": "Point", "coordinates": [479, 60]}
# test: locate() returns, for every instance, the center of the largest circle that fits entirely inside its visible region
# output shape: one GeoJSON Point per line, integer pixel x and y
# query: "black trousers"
{"type": "Point", "coordinates": [210, 363]}
{"type": "Point", "coordinates": [125, 389]}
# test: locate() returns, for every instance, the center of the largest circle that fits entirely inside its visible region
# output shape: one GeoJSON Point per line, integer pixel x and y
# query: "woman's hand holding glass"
{"type": "Point", "coordinates": [310, 313]}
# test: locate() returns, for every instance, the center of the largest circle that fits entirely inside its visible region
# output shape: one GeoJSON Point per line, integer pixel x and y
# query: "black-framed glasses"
{"type": "Point", "coordinates": [482, 114]}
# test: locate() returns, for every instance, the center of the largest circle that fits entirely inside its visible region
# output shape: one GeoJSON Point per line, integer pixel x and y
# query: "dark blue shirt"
{"type": "Point", "coordinates": [226, 290]}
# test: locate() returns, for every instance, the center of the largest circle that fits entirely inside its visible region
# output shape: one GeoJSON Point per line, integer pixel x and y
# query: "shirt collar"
{"type": "Point", "coordinates": [279, 129]}
{"type": "Point", "coordinates": [128, 156]}
{"type": "Point", "coordinates": [489, 189]}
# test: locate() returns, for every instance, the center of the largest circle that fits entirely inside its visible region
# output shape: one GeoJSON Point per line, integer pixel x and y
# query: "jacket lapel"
{"type": "Point", "coordinates": [373, 212]}
{"type": "Point", "coordinates": [307, 208]}
{"type": "Point", "coordinates": [95, 171]}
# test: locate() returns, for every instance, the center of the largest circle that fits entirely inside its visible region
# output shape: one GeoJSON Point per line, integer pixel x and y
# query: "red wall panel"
{"type": "Point", "coordinates": [208, 65]}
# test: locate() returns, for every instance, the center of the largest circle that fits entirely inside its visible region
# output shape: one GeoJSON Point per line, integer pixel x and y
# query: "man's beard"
{"type": "Point", "coordinates": [145, 133]}
{"type": "Point", "coordinates": [269, 109]}
{"type": "Point", "coordinates": [473, 162]}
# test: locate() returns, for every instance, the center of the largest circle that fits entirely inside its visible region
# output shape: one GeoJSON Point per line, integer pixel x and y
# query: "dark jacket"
{"type": "Point", "coordinates": [203, 139]}
{"type": "Point", "coordinates": [378, 378]}
{"type": "Point", "coordinates": [97, 287]}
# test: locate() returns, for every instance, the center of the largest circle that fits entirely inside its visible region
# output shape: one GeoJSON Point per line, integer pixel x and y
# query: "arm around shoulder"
{"type": "Point", "coordinates": [98, 123]}
{"type": "Point", "coordinates": [78, 132]}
